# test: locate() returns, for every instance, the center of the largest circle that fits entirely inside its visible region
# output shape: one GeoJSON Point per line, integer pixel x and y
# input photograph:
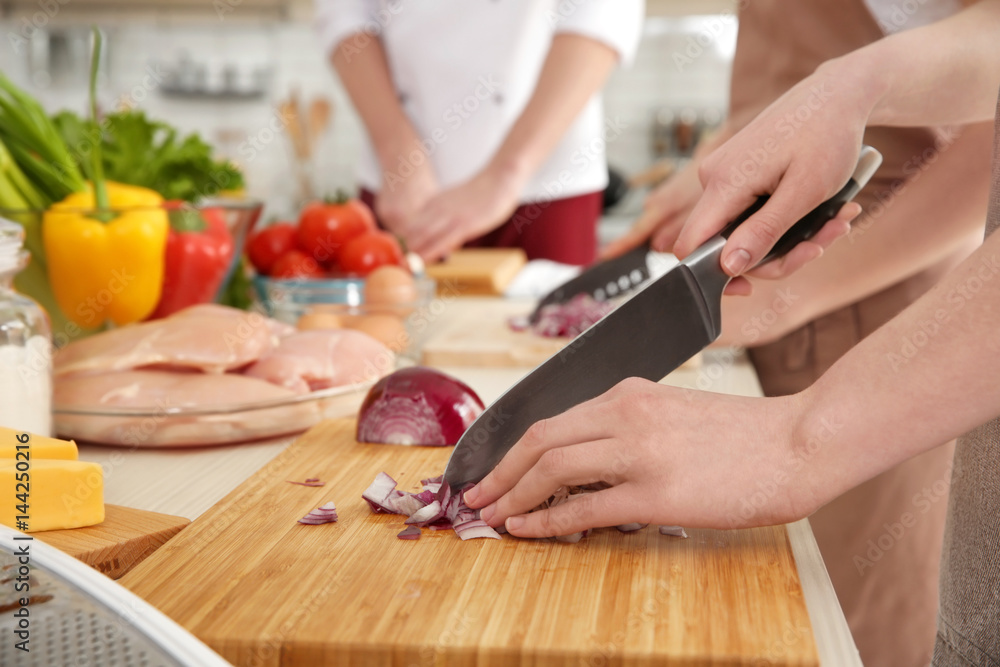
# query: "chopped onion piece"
{"type": "Point", "coordinates": [567, 319]}
{"type": "Point", "coordinates": [631, 527]}
{"type": "Point", "coordinates": [477, 528]}
{"type": "Point", "coordinates": [417, 406]}
{"type": "Point", "coordinates": [323, 514]}
{"type": "Point", "coordinates": [427, 515]}
{"type": "Point", "coordinates": [571, 539]}
{"type": "Point", "coordinates": [312, 481]}
{"type": "Point", "coordinates": [675, 531]}
{"type": "Point", "coordinates": [409, 533]}
{"type": "Point", "coordinates": [378, 494]}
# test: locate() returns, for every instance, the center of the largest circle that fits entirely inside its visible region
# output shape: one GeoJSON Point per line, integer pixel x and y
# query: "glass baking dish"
{"type": "Point", "coordinates": [216, 425]}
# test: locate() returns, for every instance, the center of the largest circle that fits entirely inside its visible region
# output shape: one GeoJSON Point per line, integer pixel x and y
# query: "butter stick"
{"type": "Point", "coordinates": [51, 494]}
{"type": "Point", "coordinates": [42, 447]}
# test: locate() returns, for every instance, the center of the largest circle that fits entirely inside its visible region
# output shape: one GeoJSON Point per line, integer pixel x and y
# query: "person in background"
{"type": "Point", "coordinates": [797, 327]}
{"type": "Point", "coordinates": [484, 119]}
{"type": "Point", "coordinates": [874, 408]}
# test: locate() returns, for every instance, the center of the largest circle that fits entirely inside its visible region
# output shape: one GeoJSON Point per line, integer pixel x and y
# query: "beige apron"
{"type": "Point", "coordinates": [885, 574]}
{"type": "Point", "coordinates": [969, 621]}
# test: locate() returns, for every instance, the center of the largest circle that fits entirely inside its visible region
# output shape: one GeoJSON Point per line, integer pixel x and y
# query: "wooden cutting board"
{"type": "Point", "coordinates": [477, 334]}
{"type": "Point", "coordinates": [263, 590]}
{"type": "Point", "coordinates": [120, 542]}
{"type": "Point", "coordinates": [477, 271]}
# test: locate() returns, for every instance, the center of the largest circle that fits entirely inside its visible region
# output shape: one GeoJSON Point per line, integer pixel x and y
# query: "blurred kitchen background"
{"type": "Point", "coordinates": [225, 68]}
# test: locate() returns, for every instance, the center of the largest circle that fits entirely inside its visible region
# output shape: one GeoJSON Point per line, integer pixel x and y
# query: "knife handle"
{"type": "Point", "coordinates": [809, 226]}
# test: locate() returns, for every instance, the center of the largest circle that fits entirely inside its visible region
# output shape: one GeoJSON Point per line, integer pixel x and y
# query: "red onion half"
{"type": "Point", "coordinates": [417, 406]}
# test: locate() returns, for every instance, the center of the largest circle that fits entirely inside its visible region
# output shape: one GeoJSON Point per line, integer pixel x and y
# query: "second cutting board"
{"type": "Point", "coordinates": [477, 334]}
{"type": "Point", "coordinates": [263, 590]}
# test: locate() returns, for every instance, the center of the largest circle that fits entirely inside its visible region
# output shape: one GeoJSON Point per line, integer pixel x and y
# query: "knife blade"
{"type": "Point", "coordinates": [662, 326]}
{"type": "Point", "coordinates": [605, 279]}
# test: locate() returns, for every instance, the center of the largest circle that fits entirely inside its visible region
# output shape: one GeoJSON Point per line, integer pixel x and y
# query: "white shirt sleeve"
{"type": "Point", "coordinates": [338, 19]}
{"type": "Point", "coordinates": [617, 23]}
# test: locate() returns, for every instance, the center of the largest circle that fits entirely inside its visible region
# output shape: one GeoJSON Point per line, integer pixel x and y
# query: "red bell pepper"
{"type": "Point", "coordinates": [199, 251]}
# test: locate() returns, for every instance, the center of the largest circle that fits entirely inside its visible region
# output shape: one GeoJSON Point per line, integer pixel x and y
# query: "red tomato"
{"type": "Point", "coordinates": [297, 264]}
{"type": "Point", "coordinates": [325, 227]}
{"type": "Point", "coordinates": [266, 246]}
{"type": "Point", "coordinates": [363, 254]}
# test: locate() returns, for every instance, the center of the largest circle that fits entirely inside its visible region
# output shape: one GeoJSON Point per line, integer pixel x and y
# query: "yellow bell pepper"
{"type": "Point", "coordinates": [107, 270]}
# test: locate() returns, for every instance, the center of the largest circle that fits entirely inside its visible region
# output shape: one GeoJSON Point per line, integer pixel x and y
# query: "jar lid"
{"type": "Point", "coordinates": [11, 241]}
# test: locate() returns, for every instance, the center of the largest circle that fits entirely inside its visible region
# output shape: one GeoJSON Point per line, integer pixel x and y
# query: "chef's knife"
{"type": "Point", "coordinates": [603, 280]}
{"type": "Point", "coordinates": [667, 322]}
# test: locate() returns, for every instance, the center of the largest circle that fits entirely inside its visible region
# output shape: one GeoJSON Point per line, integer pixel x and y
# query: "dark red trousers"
{"type": "Point", "coordinates": [563, 230]}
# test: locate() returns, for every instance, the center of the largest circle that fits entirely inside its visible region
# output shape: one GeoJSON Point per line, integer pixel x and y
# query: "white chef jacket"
{"type": "Point", "coordinates": [465, 69]}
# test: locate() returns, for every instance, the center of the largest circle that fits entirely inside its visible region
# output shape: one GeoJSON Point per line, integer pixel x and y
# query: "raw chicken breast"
{"type": "Point", "coordinates": [311, 360]}
{"type": "Point", "coordinates": [212, 339]}
{"type": "Point", "coordinates": [278, 329]}
{"type": "Point", "coordinates": [158, 392]}
{"type": "Point", "coordinates": [162, 390]}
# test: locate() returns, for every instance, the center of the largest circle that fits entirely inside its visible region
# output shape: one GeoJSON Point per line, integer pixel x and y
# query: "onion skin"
{"type": "Point", "coordinates": [417, 406]}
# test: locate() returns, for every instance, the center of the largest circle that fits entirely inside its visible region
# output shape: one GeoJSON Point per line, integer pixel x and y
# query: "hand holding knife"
{"type": "Point", "coordinates": [667, 322]}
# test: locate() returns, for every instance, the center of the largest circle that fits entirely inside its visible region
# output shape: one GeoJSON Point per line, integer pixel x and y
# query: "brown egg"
{"type": "Point", "coordinates": [319, 320]}
{"type": "Point", "coordinates": [390, 289]}
{"type": "Point", "coordinates": [387, 329]}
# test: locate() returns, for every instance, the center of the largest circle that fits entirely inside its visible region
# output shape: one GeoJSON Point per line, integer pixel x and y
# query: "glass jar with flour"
{"type": "Point", "coordinates": [25, 344]}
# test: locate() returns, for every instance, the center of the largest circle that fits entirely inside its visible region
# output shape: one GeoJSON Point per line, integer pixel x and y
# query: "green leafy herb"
{"type": "Point", "coordinates": [35, 145]}
{"type": "Point", "coordinates": [139, 151]}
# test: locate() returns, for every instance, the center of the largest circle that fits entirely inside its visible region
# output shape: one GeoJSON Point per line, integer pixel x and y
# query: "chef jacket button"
{"type": "Point", "coordinates": [403, 98]}
{"type": "Point", "coordinates": [498, 98]}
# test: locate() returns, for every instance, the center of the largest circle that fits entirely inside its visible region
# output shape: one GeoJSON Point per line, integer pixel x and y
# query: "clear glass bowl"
{"type": "Point", "coordinates": [344, 299]}
{"type": "Point", "coordinates": [241, 217]}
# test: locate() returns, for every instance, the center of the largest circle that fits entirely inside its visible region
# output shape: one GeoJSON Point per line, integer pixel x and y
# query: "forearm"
{"type": "Point", "coordinates": [952, 71]}
{"type": "Point", "coordinates": [575, 68]}
{"type": "Point", "coordinates": [924, 378]}
{"type": "Point", "coordinates": [364, 72]}
{"type": "Point", "coordinates": [935, 215]}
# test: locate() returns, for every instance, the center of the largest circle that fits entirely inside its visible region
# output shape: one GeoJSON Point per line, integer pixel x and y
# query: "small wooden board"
{"type": "Point", "coordinates": [264, 590]}
{"type": "Point", "coordinates": [478, 335]}
{"type": "Point", "coordinates": [119, 543]}
{"type": "Point", "coordinates": [477, 271]}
